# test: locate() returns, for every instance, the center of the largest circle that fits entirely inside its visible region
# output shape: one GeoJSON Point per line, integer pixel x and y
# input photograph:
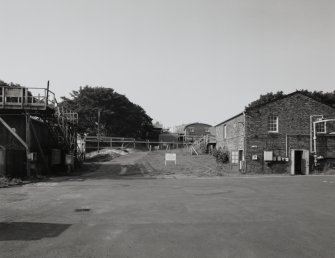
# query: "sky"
{"type": "Point", "coordinates": [183, 61]}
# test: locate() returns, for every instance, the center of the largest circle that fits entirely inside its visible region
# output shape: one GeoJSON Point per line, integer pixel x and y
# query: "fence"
{"type": "Point", "coordinates": [95, 143]}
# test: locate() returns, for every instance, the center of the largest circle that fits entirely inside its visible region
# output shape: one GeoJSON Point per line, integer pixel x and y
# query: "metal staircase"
{"type": "Point", "coordinates": [39, 104]}
{"type": "Point", "coordinates": [205, 139]}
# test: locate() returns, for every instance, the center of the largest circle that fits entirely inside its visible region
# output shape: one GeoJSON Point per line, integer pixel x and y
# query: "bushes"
{"type": "Point", "coordinates": [222, 156]}
{"type": "Point", "coordinates": [203, 148]}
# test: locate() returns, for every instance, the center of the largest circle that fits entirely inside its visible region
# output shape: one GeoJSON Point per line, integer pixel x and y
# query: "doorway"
{"type": "Point", "coordinates": [298, 162]}
{"type": "Point", "coordinates": [240, 159]}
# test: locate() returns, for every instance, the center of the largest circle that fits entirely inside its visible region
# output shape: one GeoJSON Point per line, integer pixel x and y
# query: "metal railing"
{"type": "Point", "coordinates": [23, 97]}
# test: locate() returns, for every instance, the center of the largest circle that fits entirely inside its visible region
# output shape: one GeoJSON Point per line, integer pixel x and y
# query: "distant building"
{"type": "Point", "coordinates": [278, 136]}
{"type": "Point", "coordinates": [194, 131]}
{"type": "Point", "coordinates": [169, 137]}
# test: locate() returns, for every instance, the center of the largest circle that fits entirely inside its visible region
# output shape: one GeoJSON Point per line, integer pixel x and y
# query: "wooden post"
{"type": "Point", "coordinates": [99, 130]}
{"type": "Point", "coordinates": [22, 95]}
{"type": "Point", "coordinates": [47, 95]}
{"type": "Point", "coordinates": [2, 96]}
{"type": "Point", "coordinates": [28, 143]}
{"type": "Point", "coordinates": [26, 97]}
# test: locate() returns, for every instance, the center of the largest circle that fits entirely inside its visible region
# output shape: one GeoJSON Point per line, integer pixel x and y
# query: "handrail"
{"type": "Point", "coordinates": [25, 96]}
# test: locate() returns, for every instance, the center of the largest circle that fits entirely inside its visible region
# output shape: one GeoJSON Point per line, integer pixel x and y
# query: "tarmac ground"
{"type": "Point", "coordinates": [113, 210]}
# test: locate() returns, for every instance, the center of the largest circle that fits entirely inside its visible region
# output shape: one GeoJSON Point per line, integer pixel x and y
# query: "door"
{"type": "Point", "coordinates": [240, 159]}
{"type": "Point", "coordinates": [298, 166]}
{"type": "Point", "coordinates": [299, 162]}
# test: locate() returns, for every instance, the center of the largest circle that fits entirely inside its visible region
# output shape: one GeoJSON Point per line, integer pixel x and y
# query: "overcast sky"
{"type": "Point", "coordinates": [181, 60]}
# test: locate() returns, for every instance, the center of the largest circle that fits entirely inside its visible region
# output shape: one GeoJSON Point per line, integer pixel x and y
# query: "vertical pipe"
{"type": "Point", "coordinates": [286, 144]}
{"type": "Point", "coordinates": [314, 137]}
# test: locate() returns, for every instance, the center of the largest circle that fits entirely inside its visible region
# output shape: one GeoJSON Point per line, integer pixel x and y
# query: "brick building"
{"type": "Point", "coordinates": [278, 136]}
{"type": "Point", "coordinates": [194, 131]}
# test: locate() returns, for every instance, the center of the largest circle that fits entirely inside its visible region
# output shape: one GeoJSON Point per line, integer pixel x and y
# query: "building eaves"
{"type": "Point", "coordinates": [196, 123]}
{"type": "Point", "coordinates": [229, 119]}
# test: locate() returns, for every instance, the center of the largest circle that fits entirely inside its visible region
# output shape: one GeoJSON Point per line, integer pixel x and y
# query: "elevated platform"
{"type": "Point", "coordinates": [22, 98]}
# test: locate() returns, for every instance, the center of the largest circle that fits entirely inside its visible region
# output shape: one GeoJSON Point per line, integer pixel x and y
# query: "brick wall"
{"type": "Point", "coordinates": [294, 129]}
{"type": "Point", "coordinates": [198, 130]}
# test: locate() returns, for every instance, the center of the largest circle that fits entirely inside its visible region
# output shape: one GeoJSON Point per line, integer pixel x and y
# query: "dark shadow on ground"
{"type": "Point", "coordinates": [27, 231]}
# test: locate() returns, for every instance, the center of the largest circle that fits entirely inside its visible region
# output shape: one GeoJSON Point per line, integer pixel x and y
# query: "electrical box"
{"type": "Point", "coordinates": [268, 155]}
{"type": "Point", "coordinates": [32, 156]}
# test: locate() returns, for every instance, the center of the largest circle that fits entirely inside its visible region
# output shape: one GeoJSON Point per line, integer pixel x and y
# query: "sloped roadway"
{"type": "Point", "coordinates": [103, 214]}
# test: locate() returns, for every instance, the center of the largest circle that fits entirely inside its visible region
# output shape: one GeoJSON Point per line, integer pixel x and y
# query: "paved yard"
{"type": "Point", "coordinates": [103, 214]}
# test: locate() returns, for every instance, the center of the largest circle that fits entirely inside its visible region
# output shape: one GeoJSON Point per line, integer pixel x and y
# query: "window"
{"type": "Point", "coordinates": [234, 157]}
{"type": "Point", "coordinates": [225, 131]}
{"type": "Point", "coordinates": [321, 127]}
{"type": "Point", "coordinates": [273, 124]}
{"type": "Point", "coordinates": [191, 129]}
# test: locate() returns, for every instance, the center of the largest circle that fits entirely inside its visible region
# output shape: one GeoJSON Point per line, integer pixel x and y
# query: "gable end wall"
{"type": "Point", "coordinates": [294, 127]}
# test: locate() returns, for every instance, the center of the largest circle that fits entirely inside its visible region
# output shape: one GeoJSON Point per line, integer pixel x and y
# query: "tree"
{"type": "Point", "coordinates": [2, 83]}
{"type": "Point", "coordinates": [268, 97]}
{"type": "Point", "coordinates": [118, 116]}
{"type": "Point", "coordinates": [324, 97]}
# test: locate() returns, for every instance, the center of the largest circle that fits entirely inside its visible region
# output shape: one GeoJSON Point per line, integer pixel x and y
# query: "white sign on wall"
{"type": "Point", "coordinates": [268, 155]}
{"type": "Point", "coordinates": [171, 157]}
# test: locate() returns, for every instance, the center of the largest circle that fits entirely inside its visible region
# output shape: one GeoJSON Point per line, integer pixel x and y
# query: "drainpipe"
{"type": "Point", "coordinates": [311, 128]}
{"type": "Point", "coordinates": [286, 145]}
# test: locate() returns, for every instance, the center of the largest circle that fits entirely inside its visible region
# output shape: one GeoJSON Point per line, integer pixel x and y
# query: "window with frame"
{"type": "Point", "coordinates": [273, 124]}
{"type": "Point", "coordinates": [320, 127]}
{"type": "Point", "coordinates": [225, 131]}
{"type": "Point", "coordinates": [234, 157]}
{"type": "Point", "coordinates": [191, 129]}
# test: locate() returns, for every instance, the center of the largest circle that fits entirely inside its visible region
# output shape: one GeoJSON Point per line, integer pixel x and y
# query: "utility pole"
{"type": "Point", "coordinates": [99, 110]}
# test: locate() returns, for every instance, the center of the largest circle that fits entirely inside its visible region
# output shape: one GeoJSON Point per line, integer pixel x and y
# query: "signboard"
{"type": "Point", "coordinates": [268, 155]}
{"type": "Point", "coordinates": [171, 157]}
